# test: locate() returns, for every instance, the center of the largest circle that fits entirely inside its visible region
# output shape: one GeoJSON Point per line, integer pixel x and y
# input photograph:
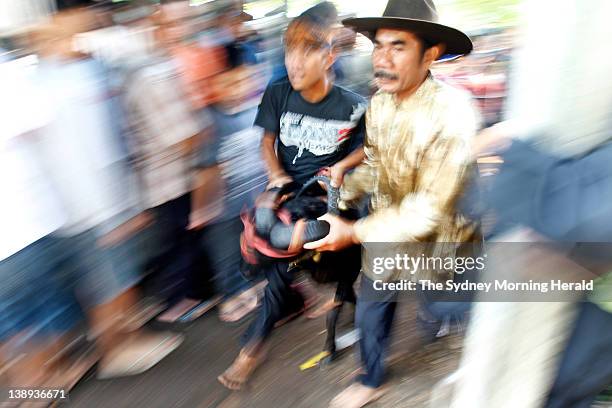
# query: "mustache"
{"type": "Point", "coordinates": [385, 75]}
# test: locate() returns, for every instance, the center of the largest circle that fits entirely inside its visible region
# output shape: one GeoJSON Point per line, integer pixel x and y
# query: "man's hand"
{"type": "Point", "coordinates": [336, 176]}
{"type": "Point", "coordinates": [335, 173]}
{"type": "Point", "coordinates": [341, 235]}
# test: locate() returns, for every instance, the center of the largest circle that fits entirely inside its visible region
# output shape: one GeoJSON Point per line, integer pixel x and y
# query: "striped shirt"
{"type": "Point", "coordinates": [161, 121]}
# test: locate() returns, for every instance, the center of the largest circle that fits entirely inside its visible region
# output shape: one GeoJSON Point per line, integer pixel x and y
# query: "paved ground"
{"type": "Point", "coordinates": [187, 378]}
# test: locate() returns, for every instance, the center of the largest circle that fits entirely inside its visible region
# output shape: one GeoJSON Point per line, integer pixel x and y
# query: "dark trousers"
{"type": "Point", "coordinates": [176, 256]}
{"type": "Point", "coordinates": [279, 301]}
{"type": "Point", "coordinates": [586, 365]}
{"type": "Point", "coordinates": [374, 317]}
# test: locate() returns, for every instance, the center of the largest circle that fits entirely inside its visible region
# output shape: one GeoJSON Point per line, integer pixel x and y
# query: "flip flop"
{"type": "Point", "coordinates": [175, 312]}
{"type": "Point", "coordinates": [200, 310]}
{"type": "Point", "coordinates": [243, 307]}
{"type": "Point", "coordinates": [119, 367]}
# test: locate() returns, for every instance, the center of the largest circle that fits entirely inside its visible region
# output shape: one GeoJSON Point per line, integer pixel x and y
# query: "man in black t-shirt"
{"type": "Point", "coordinates": [310, 136]}
{"type": "Point", "coordinates": [309, 124]}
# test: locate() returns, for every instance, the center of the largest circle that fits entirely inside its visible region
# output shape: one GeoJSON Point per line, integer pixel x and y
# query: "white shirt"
{"type": "Point", "coordinates": [29, 208]}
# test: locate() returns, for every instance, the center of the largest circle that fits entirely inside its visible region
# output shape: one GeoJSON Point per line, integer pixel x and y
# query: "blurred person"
{"type": "Point", "coordinates": [30, 210]}
{"type": "Point", "coordinates": [418, 161]}
{"type": "Point", "coordinates": [164, 132]}
{"type": "Point", "coordinates": [88, 172]}
{"type": "Point", "coordinates": [125, 31]}
{"type": "Point", "coordinates": [233, 20]}
{"type": "Point", "coordinates": [196, 62]}
{"type": "Point", "coordinates": [561, 199]}
{"type": "Point", "coordinates": [484, 75]}
{"type": "Point", "coordinates": [131, 238]}
{"type": "Point", "coordinates": [230, 175]}
{"type": "Point", "coordinates": [325, 12]}
{"type": "Point", "coordinates": [309, 124]}
{"type": "Point", "coordinates": [555, 181]}
{"type": "Point", "coordinates": [353, 69]}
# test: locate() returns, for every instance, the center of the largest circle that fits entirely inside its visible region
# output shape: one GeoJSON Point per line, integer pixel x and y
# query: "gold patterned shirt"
{"type": "Point", "coordinates": [418, 160]}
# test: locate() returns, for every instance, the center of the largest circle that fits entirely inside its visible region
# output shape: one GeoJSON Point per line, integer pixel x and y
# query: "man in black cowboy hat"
{"type": "Point", "coordinates": [417, 164]}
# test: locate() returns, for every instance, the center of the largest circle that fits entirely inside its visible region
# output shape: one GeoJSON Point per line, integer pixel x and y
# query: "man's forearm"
{"type": "Point", "coordinates": [354, 159]}
{"type": "Point", "coordinates": [269, 155]}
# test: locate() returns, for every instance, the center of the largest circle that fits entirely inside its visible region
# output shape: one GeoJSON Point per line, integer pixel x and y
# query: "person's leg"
{"type": "Point", "coordinates": [441, 310]}
{"type": "Point", "coordinates": [221, 243]}
{"type": "Point", "coordinates": [128, 256]}
{"type": "Point", "coordinates": [36, 355]}
{"type": "Point", "coordinates": [586, 367]}
{"type": "Point", "coordinates": [25, 295]}
{"type": "Point", "coordinates": [344, 267]}
{"type": "Point", "coordinates": [176, 258]}
{"type": "Point", "coordinates": [89, 273]}
{"type": "Point", "coordinates": [279, 300]}
{"type": "Point", "coordinates": [374, 319]}
{"type": "Point", "coordinates": [375, 312]}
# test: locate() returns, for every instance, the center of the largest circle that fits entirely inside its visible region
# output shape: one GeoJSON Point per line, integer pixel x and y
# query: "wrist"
{"type": "Point", "coordinates": [340, 166]}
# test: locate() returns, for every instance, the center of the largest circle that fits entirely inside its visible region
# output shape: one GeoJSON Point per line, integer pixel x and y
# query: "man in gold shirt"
{"type": "Point", "coordinates": [418, 161]}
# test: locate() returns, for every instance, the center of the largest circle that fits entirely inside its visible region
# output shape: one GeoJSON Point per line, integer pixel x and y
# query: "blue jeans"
{"type": "Point", "coordinates": [48, 284]}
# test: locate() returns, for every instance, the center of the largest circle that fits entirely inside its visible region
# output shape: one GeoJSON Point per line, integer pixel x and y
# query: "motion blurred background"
{"type": "Point", "coordinates": [106, 108]}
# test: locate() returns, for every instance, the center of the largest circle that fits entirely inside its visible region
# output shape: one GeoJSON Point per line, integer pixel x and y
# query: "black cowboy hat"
{"type": "Point", "coordinates": [419, 17]}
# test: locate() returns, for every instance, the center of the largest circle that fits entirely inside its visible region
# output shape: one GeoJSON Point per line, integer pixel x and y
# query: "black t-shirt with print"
{"type": "Point", "coordinates": [312, 135]}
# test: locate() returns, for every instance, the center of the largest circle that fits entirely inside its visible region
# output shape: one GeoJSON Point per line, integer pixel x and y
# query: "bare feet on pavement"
{"type": "Point", "coordinates": [356, 396]}
{"type": "Point", "coordinates": [241, 370]}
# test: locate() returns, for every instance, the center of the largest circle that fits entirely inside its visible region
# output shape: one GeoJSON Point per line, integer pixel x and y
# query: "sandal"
{"type": "Point", "coordinates": [175, 312]}
{"type": "Point", "coordinates": [239, 307]}
{"type": "Point", "coordinates": [140, 356]}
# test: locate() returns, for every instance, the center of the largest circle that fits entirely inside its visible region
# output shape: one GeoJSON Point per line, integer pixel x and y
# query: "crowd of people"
{"type": "Point", "coordinates": [135, 137]}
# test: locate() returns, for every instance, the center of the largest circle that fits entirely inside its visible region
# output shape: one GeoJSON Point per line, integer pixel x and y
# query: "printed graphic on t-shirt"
{"type": "Point", "coordinates": [318, 136]}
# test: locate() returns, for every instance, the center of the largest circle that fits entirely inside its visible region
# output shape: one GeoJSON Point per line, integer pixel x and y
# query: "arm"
{"type": "Point", "coordinates": [351, 161]}
{"type": "Point", "coordinates": [443, 173]}
{"type": "Point", "coordinates": [563, 199]}
{"type": "Point", "coordinates": [417, 215]}
{"type": "Point", "coordinates": [355, 158]}
{"type": "Point", "coordinates": [276, 172]}
{"type": "Point", "coordinates": [268, 118]}
{"type": "Point", "coordinates": [208, 185]}
{"type": "Point", "coordinates": [441, 178]}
